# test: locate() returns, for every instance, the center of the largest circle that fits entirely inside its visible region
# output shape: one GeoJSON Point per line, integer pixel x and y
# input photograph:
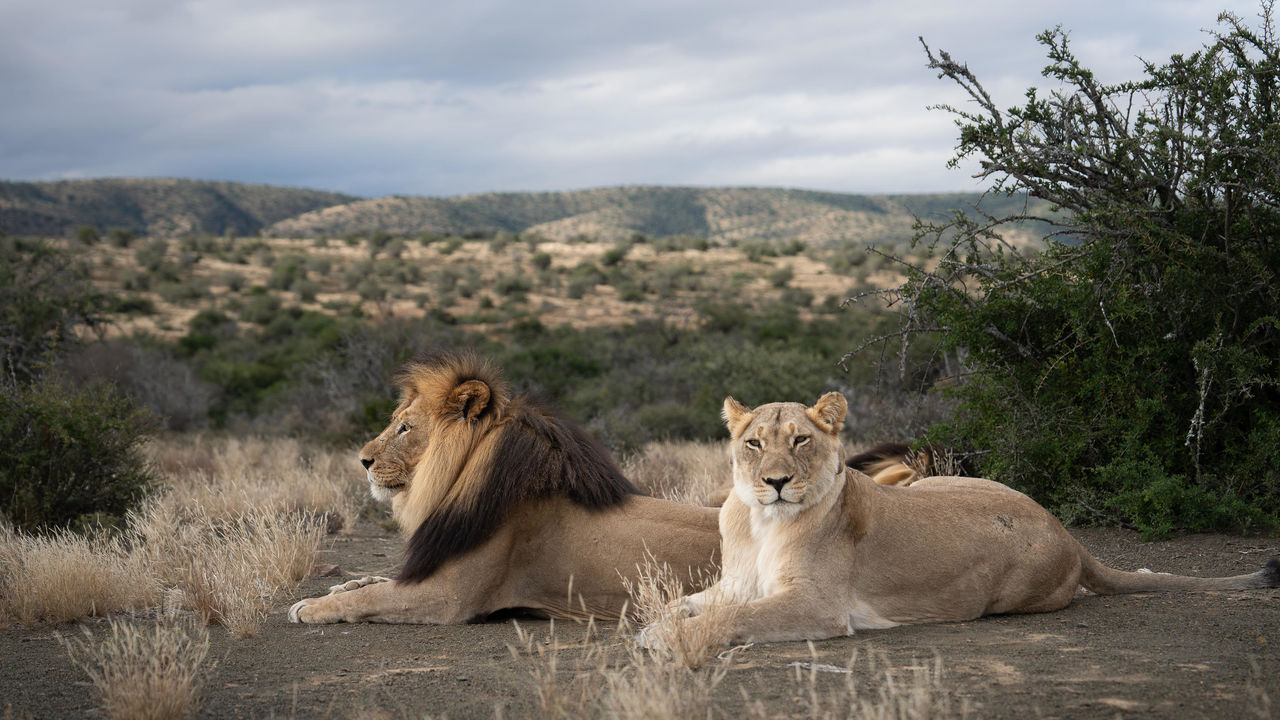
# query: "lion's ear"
{"type": "Point", "coordinates": [736, 415]}
{"type": "Point", "coordinates": [828, 413]}
{"type": "Point", "coordinates": [468, 399]}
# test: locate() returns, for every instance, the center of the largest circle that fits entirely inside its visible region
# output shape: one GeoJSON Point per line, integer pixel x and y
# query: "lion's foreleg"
{"type": "Point", "coordinates": [376, 599]}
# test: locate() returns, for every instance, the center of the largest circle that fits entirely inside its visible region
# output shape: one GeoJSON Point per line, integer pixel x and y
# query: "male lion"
{"type": "Point", "coordinates": [813, 549]}
{"type": "Point", "coordinates": [505, 506]}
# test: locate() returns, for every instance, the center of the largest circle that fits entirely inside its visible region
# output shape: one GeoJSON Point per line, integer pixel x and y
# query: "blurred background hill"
{"type": "Point", "coordinates": [171, 207]}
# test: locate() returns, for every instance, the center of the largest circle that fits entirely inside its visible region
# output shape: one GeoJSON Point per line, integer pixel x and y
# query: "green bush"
{"type": "Point", "coordinates": [779, 277]}
{"type": "Point", "coordinates": [120, 237]}
{"type": "Point", "coordinates": [151, 255]}
{"type": "Point", "coordinates": [44, 297]}
{"type": "Point", "coordinates": [512, 285]}
{"type": "Point", "coordinates": [286, 273]}
{"type": "Point", "coordinates": [1131, 369]}
{"type": "Point", "coordinates": [261, 307]}
{"type": "Point", "coordinates": [69, 453]}
{"type": "Point", "coordinates": [614, 255]}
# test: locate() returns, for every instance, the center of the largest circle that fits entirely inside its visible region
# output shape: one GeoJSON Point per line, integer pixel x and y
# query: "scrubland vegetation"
{"type": "Point", "coordinates": [179, 408]}
{"type": "Point", "coordinates": [1131, 369]}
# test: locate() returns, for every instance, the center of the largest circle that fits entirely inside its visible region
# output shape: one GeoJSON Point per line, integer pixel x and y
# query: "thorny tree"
{"type": "Point", "coordinates": [1130, 367]}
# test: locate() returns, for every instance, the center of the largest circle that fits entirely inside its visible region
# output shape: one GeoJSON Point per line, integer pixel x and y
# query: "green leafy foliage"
{"type": "Point", "coordinates": [69, 455]}
{"type": "Point", "coordinates": [1131, 370]}
{"type": "Point", "coordinates": [44, 296]}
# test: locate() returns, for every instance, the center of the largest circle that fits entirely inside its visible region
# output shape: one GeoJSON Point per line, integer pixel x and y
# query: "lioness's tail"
{"type": "Point", "coordinates": [1108, 581]}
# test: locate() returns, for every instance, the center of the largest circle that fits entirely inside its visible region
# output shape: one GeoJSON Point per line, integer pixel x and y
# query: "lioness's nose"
{"type": "Point", "coordinates": [778, 482]}
{"type": "Point", "coordinates": [366, 462]}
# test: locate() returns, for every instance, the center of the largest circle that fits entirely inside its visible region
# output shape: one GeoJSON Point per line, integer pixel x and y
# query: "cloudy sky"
{"type": "Point", "coordinates": [447, 97]}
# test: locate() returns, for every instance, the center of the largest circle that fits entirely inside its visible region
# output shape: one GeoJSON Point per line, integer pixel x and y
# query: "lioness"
{"type": "Point", "coordinates": [812, 549]}
{"type": "Point", "coordinates": [505, 505]}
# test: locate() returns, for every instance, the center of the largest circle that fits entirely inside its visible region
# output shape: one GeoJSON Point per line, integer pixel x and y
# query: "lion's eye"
{"type": "Point", "coordinates": [800, 440]}
{"type": "Point", "coordinates": [404, 428]}
{"type": "Point", "coordinates": [753, 443]}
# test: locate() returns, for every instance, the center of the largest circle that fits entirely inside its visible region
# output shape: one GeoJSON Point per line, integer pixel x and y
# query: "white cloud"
{"type": "Point", "coordinates": [391, 96]}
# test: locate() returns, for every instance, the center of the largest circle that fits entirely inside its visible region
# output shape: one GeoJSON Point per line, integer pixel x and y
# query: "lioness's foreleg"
{"type": "Point", "coordinates": [789, 615]}
{"type": "Point", "coordinates": [695, 604]}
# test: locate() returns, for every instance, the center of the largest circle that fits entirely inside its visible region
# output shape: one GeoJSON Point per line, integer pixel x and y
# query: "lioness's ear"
{"type": "Point", "coordinates": [468, 399]}
{"type": "Point", "coordinates": [736, 415]}
{"type": "Point", "coordinates": [828, 413]}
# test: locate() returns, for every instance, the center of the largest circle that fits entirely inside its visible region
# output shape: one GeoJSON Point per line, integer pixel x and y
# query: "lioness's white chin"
{"type": "Point", "coordinates": [781, 508]}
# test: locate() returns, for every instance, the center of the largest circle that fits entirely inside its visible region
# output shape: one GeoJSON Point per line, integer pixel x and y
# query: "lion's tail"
{"type": "Point", "coordinates": [1108, 581]}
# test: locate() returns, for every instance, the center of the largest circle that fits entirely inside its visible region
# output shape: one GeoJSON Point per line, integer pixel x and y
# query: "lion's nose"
{"type": "Point", "coordinates": [778, 482]}
{"type": "Point", "coordinates": [366, 462]}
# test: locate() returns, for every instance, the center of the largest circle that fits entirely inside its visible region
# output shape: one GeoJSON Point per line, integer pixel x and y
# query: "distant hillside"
{"type": "Point", "coordinates": [161, 207]}
{"type": "Point", "coordinates": [172, 208]}
{"type": "Point", "coordinates": [720, 214]}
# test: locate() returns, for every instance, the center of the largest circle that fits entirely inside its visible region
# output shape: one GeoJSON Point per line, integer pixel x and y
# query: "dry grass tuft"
{"type": "Point", "coordinates": [62, 577]}
{"type": "Point", "coordinates": [612, 677]}
{"type": "Point", "coordinates": [881, 691]}
{"type": "Point", "coordinates": [940, 461]}
{"type": "Point", "coordinates": [687, 472]}
{"type": "Point", "coordinates": [229, 571]}
{"type": "Point", "coordinates": [655, 596]}
{"type": "Point", "coordinates": [239, 528]}
{"type": "Point", "coordinates": [230, 477]}
{"type": "Point", "coordinates": [562, 692]}
{"type": "Point", "coordinates": [647, 687]}
{"type": "Point", "coordinates": [1257, 700]}
{"type": "Point", "coordinates": [151, 671]}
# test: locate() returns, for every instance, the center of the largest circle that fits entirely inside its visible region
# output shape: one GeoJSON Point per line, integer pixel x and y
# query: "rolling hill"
{"type": "Point", "coordinates": [156, 207]}
{"type": "Point", "coordinates": [167, 207]}
{"type": "Point", "coordinates": [607, 214]}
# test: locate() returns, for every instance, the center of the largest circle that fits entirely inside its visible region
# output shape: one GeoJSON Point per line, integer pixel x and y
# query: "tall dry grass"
{"type": "Point", "coordinates": [63, 576]}
{"type": "Point", "coordinates": [607, 675]}
{"type": "Point", "coordinates": [151, 671]}
{"type": "Point", "coordinates": [687, 472]}
{"type": "Point", "coordinates": [655, 595]}
{"type": "Point", "coordinates": [229, 477]}
{"type": "Point", "coordinates": [876, 689]}
{"type": "Point", "coordinates": [237, 527]}
{"type": "Point", "coordinates": [228, 570]}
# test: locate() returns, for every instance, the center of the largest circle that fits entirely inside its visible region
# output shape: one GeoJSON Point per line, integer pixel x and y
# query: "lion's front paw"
{"type": "Point", "coordinates": [298, 613]}
{"type": "Point", "coordinates": [355, 584]}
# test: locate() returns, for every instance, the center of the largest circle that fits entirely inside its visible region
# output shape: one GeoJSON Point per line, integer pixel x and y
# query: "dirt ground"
{"type": "Point", "coordinates": [1177, 656]}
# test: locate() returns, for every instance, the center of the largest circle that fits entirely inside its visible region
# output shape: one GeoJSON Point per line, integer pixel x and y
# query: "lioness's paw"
{"type": "Point", "coordinates": [355, 584]}
{"type": "Point", "coordinates": [656, 636]}
{"type": "Point", "coordinates": [647, 638]}
{"type": "Point", "coordinates": [684, 607]}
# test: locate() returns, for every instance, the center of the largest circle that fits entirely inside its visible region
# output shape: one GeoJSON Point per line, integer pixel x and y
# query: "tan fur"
{"type": "Point", "coordinates": [812, 549]}
{"type": "Point", "coordinates": [435, 459]}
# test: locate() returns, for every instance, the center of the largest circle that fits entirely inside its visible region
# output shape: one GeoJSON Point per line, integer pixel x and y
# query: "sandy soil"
{"type": "Point", "coordinates": [1176, 656]}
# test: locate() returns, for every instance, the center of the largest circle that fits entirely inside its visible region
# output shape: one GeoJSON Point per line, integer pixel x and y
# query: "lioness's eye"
{"type": "Point", "coordinates": [753, 443]}
{"type": "Point", "coordinates": [800, 440]}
